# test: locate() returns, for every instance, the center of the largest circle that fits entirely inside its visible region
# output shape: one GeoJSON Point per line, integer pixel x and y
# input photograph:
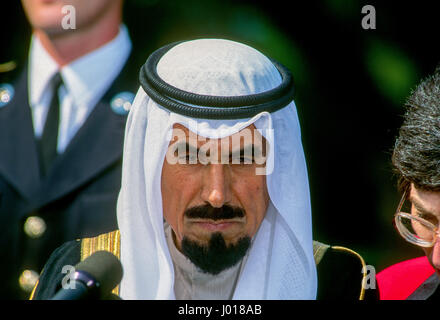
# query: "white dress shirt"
{"type": "Point", "coordinates": [85, 79]}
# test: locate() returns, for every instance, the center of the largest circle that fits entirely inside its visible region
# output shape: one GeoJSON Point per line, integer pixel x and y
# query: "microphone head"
{"type": "Point", "coordinates": [105, 268]}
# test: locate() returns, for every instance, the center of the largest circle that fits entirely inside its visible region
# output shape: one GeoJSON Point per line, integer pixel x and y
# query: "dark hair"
{"type": "Point", "coordinates": [416, 155]}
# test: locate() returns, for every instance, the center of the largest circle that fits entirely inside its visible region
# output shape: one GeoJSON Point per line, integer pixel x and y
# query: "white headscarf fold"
{"type": "Point", "coordinates": [280, 264]}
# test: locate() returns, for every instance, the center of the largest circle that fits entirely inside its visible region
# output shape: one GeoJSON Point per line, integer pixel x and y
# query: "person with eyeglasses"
{"type": "Point", "coordinates": [416, 160]}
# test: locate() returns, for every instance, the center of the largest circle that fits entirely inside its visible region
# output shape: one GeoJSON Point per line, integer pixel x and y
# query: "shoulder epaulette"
{"type": "Point", "coordinates": [319, 249]}
{"type": "Point", "coordinates": [110, 241]}
{"type": "Point", "coordinates": [364, 269]}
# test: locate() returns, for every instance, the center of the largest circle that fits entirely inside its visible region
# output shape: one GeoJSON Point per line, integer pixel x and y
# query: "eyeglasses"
{"type": "Point", "coordinates": [414, 229]}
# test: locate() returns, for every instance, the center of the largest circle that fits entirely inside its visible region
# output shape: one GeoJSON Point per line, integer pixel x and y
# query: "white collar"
{"type": "Point", "coordinates": [85, 77]}
{"type": "Point", "coordinates": [42, 67]}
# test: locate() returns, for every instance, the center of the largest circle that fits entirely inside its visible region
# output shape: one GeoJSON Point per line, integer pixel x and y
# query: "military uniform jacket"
{"type": "Point", "coordinates": [76, 199]}
{"type": "Point", "coordinates": [341, 274]}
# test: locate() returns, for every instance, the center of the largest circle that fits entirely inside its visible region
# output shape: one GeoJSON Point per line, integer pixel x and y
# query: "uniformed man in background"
{"type": "Point", "coordinates": [61, 134]}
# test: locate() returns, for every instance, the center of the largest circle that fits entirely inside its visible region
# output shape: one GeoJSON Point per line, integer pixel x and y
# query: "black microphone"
{"type": "Point", "coordinates": [93, 278]}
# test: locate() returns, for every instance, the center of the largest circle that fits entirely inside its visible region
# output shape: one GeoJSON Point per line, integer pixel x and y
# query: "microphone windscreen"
{"type": "Point", "coordinates": [105, 268]}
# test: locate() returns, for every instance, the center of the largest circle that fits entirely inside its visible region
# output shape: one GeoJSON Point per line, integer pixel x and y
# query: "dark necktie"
{"type": "Point", "coordinates": [48, 141]}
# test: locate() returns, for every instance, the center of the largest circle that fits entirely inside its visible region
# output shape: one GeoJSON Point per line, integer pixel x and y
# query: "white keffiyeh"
{"type": "Point", "coordinates": [280, 264]}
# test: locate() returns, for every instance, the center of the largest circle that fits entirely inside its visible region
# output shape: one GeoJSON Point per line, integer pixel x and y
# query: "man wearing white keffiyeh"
{"type": "Point", "coordinates": [200, 216]}
{"type": "Point", "coordinates": [279, 263]}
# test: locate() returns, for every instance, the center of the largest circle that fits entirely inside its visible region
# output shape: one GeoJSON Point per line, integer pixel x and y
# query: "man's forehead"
{"type": "Point", "coordinates": [250, 131]}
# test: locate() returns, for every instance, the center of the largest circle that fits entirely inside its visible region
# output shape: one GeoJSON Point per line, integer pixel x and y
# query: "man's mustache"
{"type": "Point", "coordinates": [209, 212]}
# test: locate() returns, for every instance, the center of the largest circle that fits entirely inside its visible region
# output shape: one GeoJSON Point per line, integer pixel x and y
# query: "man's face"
{"type": "Point", "coordinates": [47, 15]}
{"type": "Point", "coordinates": [426, 204]}
{"type": "Point", "coordinates": [202, 199]}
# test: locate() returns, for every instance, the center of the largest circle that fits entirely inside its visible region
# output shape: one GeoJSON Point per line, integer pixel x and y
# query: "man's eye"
{"type": "Point", "coordinates": [242, 160]}
{"type": "Point", "coordinates": [428, 217]}
{"type": "Point", "coordinates": [186, 157]}
{"type": "Point", "coordinates": [191, 157]}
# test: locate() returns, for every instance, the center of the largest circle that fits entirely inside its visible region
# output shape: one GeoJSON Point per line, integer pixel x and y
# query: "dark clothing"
{"type": "Point", "coordinates": [76, 198]}
{"type": "Point", "coordinates": [52, 276]}
{"type": "Point", "coordinates": [428, 290]}
{"type": "Point", "coordinates": [339, 274]}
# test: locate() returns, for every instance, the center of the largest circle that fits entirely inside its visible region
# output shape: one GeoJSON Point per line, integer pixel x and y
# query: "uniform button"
{"type": "Point", "coordinates": [121, 103]}
{"type": "Point", "coordinates": [6, 94]}
{"type": "Point", "coordinates": [28, 279]}
{"type": "Point", "coordinates": [34, 227]}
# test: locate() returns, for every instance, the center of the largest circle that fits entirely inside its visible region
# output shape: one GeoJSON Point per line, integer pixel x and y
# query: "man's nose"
{"type": "Point", "coordinates": [436, 254]}
{"type": "Point", "coordinates": [216, 185]}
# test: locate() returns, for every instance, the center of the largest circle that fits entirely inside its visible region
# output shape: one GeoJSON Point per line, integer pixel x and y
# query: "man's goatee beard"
{"type": "Point", "coordinates": [216, 256]}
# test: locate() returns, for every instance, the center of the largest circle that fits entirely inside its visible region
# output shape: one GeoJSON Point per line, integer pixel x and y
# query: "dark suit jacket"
{"type": "Point", "coordinates": [76, 199]}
